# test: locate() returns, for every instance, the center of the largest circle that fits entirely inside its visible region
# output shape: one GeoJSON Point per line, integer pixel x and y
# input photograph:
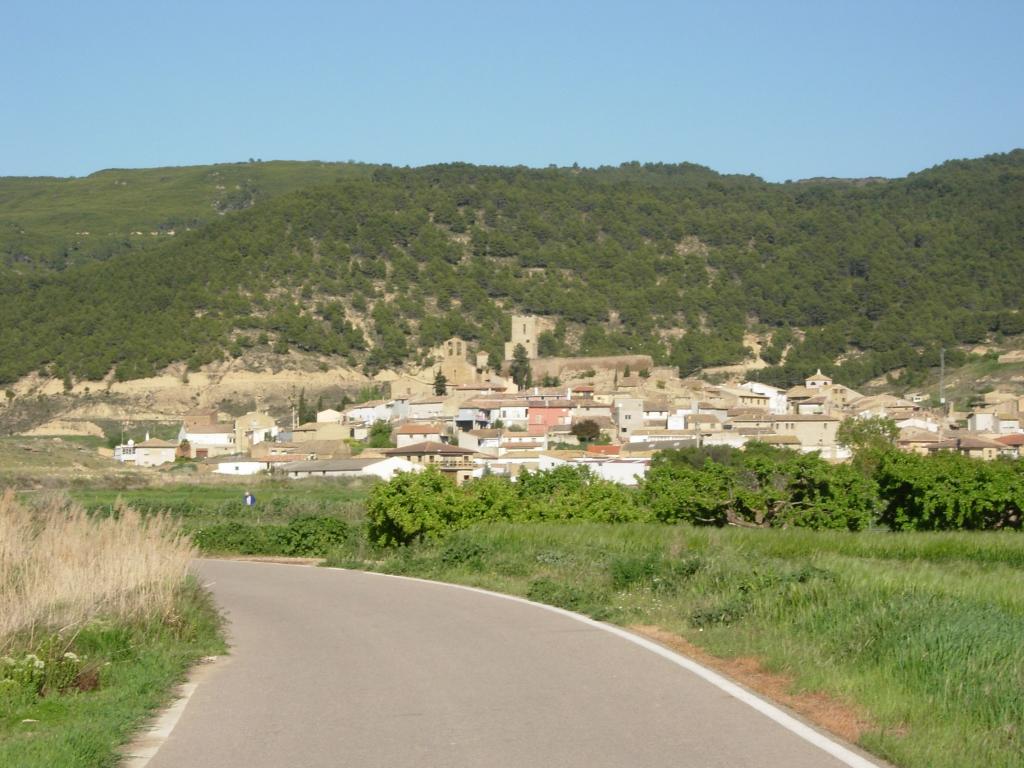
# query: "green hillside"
{"type": "Point", "coordinates": [56, 223]}
{"type": "Point", "coordinates": [672, 260]}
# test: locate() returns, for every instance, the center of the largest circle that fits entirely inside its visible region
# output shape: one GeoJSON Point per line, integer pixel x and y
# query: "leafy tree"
{"type": "Point", "coordinates": [520, 370]}
{"type": "Point", "coordinates": [568, 493]}
{"type": "Point", "coordinates": [679, 492]}
{"type": "Point", "coordinates": [947, 491]}
{"type": "Point", "coordinates": [380, 435]}
{"type": "Point", "coordinates": [873, 432]}
{"type": "Point", "coordinates": [548, 344]}
{"type": "Point", "coordinates": [586, 431]}
{"type": "Point", "coordinates": [758, 487]}
{"type": "Point", "coordinates": [869, 439]}
{"type": "Point", "coordinates": [412, 507]}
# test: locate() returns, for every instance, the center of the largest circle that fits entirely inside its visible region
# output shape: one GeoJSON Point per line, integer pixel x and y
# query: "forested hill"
{"type": "Point", "coordinates": [54, 223]}
{"type": "Point", "coordinates": [672, 260]}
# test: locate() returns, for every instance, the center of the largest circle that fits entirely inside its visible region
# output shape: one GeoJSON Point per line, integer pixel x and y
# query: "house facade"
{"type": "Point", "coordinates": [206, 441]}
{"type": "Point", "coordinates": [457, 463]}
{"type": "Point", "coordinates": [155, 453]}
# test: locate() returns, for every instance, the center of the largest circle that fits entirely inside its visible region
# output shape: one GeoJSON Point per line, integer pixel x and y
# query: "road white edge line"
{"type": "Point", "coordinates": [149, 741]}
{"type": "Point", "coordinates": [787, 721]}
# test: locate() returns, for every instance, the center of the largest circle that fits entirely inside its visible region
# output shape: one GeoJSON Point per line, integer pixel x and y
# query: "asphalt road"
{"type": "Point", "coordinates": [336, 668]}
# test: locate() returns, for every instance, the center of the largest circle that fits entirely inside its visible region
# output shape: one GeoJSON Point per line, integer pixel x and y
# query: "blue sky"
{"type": "Point", "coordinates": [780, 89]}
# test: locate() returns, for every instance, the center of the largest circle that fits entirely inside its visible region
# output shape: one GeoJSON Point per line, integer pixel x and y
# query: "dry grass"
{"type": "Point", "coordinates": [59, 568]}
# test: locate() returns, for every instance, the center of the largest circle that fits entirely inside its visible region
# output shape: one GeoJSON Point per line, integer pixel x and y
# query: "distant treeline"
{"type": "Point", "coordinates": [880, 275]}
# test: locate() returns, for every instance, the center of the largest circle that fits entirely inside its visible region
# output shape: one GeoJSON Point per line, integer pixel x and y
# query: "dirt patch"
{"type": "Point", "coordinates": [826, 711]}
{"type": "Point", "coordinates": [62, 427]}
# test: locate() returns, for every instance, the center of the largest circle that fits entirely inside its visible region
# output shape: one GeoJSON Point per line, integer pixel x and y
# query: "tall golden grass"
{"type": "Point", "coordinates": [60, 568]}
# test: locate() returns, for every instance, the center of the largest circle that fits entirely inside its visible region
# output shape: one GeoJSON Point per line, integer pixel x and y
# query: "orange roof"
{"type": "Point", "coordinates": [1011, 439]}
{"type": "Point", "coordinates": [605, 450]}
{"type": "Point", "coordinates": [418, 429]}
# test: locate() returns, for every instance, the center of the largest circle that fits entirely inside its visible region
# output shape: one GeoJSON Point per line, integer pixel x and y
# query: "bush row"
{"type": "Point", "coordinates": [413, 507]}
{"type": "Point", "coordinates": [764, 486]}
{"type": "Point", "coordinates": [760, 486]}
{"type": "Point", "coordinates": [302, 537]}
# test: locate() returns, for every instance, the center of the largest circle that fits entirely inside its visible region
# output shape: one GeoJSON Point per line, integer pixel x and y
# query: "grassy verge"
{"type": "Point", "coordinates": [918, 635]}
{"type": "Point", "coordinates": [99, 620]}
{"type": "Point", "coordinates": [127, 671]}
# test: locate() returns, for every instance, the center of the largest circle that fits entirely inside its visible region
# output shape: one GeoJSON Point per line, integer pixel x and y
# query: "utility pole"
{"type": "Point", "coordinates": [942, 390]}
{"type": "Point", "coordinates": [942, 378]}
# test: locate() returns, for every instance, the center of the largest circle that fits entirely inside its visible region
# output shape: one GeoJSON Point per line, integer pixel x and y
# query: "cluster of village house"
{"type": "Point", "coordinates": [485, 424]}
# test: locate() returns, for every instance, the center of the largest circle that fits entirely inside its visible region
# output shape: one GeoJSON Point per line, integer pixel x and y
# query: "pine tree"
{"type": "Point", "coordinates": [440, 383]}
{"type": "Point", "coordinates": [520, 370]}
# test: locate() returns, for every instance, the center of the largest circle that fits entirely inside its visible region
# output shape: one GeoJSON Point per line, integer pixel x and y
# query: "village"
{"type": "Point", "coordinates": [608, 414]}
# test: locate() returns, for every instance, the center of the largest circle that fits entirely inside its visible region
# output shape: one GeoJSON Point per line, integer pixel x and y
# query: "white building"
{"type": "Point", "coordinates": [371, 412]}
{"type": "Point", "coordinates": [125, 453]}
{"type": "Point", "coordinates": [624, 471]}
{"type": "Point", "coordinates": [983, 421]}
{"type": "Point", "coordinates": [238, 465]}
{"type": "Point", "coordinates": [382, 468]}
{"type": "Point", "coordinates": [777, 401]}
{"type": "Point", "coordinates": [209, 440]}
{"type": "Point", "coordinates": [426, 408]}
{"type": "Point", "coordinates": [818, 381]}
{"type": "Point", "coordinates": [154, 453]}
{"type": "Point", "coordinates": [411, 433]}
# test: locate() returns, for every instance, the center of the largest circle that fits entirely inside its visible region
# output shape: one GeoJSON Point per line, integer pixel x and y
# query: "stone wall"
{"type": "Point", "coordinates": [563, 367]}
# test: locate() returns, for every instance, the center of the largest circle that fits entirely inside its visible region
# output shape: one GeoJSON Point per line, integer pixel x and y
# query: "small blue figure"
{"type": "Point", "coordinates": [250, 500]}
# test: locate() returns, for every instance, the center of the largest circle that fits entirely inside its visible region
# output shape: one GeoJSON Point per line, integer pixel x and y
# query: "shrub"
{"type": "Point", "coordinates": [574, 493]}
{"type": "Point", "coordinates": [948, 491]}
{"type": "Point", "coordinates": [302, 537]}
{"type": "Point", "coordinates": [761, 487]}
{"type": "Point", "coordinates": [411, 507]}
{"type": "Point", "coordinates": [652, 571]}
{"type": "Point", "coordinates": [556, 593]}
{"type": "Point", "coordinates": [462, 552]}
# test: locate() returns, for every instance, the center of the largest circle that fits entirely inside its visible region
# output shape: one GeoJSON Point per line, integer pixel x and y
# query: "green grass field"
{"type": "Point", "coordinates": [203, 504]}
{"type": "Point", "coordinates": [918, 634]}
{"type": "Point", "coordinates": [302, 519]}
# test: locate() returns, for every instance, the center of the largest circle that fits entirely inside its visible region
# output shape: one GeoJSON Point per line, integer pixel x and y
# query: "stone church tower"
{"type": "Point", "coordinates": [525, 329]}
